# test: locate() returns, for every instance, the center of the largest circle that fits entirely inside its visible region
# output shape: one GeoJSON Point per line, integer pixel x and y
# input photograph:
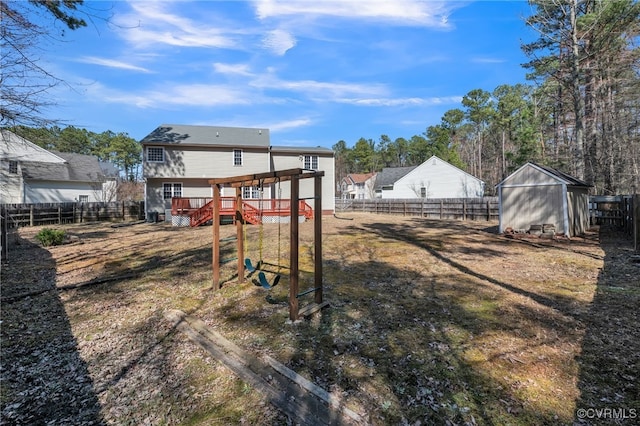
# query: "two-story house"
{"type": "Point", "coordinates": [31, 174]}
{"type": "Point", "coordinates": [358, 186]}
{"type": "Point", "coordinates": [435, 178]}
{"type": "Point", "coordinates": [179, 160]}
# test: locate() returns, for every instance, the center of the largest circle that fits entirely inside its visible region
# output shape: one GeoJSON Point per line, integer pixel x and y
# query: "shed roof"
{"type": "Point", "coordinates": [556, 174]}
{"type": "Point", "coordinates": [180, 134]}
{"type": "Point", "coordinates": [390, 175]}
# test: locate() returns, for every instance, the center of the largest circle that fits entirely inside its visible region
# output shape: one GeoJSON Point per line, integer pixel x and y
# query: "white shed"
{"type": "Point", "coordinates": [435, 178]}
{"type": "Point", "coordinates": [538, 195]}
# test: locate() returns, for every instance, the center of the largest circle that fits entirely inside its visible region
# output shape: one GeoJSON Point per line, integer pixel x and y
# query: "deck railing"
{"type": "Point", "coordinates": [199, 209]}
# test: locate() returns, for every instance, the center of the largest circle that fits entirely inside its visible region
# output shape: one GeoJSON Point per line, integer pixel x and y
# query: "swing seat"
{"type": "Point", "coordinates": [249, 266]}
{"type": "Point", "coordinates": [262, 280]}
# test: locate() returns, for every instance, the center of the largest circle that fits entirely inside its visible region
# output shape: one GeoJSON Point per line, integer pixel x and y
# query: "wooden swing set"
{"type": "Point", "coordinates": [260, 179]}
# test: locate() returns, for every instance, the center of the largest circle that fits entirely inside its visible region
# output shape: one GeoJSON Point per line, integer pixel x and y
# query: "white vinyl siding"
{"type": "Point", "coordinates": [171, 189]}
{"type": "Point", "coordinates": [191, 162]}
{"type": "Point", "coordinates": [155, 154]}
{"type": "Point", "coordinates": [440, 180]}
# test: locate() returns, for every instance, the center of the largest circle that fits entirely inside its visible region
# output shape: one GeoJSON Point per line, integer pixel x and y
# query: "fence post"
{"type": "Point", "coordinates": [441, 208]}
{"type": "Point", "coordinates": [31, 221]}
{"type": "Point", "coordinates": [464, 209]}
{"type": "Point", "coordinates": [59, 215]}
{"type": "Point", "coordinates": [81, 212]}
{"type": "Point", "coordinates": [3, 234]}
{"type": "Point", "coordinates": [636, 221]}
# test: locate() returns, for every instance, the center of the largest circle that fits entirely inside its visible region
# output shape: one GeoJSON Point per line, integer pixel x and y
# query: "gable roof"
{"type": "Point", "coordinates": [15, 147]}
{"type": "Point", "coordinates": [556, 174]}
{"type": "Point", "coordinates": [359, 177]}
{"type": "Point", "coordinates": [390, 175]}
{"type": "Point", "coordinates": [180, 134]}
{"type": "Point", "coordinates": [569, 180]}
{"type": "Point", "coordinates": [76, 168]}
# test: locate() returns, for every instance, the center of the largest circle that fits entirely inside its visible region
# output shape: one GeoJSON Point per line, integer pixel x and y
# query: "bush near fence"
{"type": "Point", "coordinates": [485, 208]}
{"type": "Point", "coordinates": [62, 213]}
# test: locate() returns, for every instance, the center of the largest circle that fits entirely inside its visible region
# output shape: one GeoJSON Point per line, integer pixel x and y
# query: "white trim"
{"type": "Point", "coordinates": [500, 227]}
{"type": "Point", "coordinates": [156, 161]}
{"type": "Point", "coordinates": [565, 212]}
{"type": "Point", "coordinates": [529, 185]}
{"type": "Point", "coordinates": [233, 157]}
{"type": "Point", "coordinates": [172, 189]}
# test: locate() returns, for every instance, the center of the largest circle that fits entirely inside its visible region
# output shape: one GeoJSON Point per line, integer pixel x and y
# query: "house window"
{"type": "Point", "coordinates": [311, 162]}
{"type": "Point", "coordinates": [237, 157]}
{"type": "Point", "coordinates": [155, 154]}
{"type": "Point", "coordinates": [170, 190]}
{"type": "Point", "coordinates": [423, 192]}
{"type": "Point", "coordinates": [83, 198]}
{"type": "Point", "coordinates": [13, 167]}
{"type": "Point", "coordinates": [250, 192]}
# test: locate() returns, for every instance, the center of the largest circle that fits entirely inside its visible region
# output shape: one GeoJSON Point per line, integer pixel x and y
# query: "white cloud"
{"type": "Point", "coordinates": [151, 24]}
{"type": "Point", "coordinates": [401, 12]}
{"type": "Point", "coordinates": [195, 95]}
{"type": "Point", "coordinates": [111, 63]}
{"type": "Point", "coordinates": [290, 124]}
{"type": "Point", "coordinates": [233, 69]}
{"type": "Point", "coordinates": [278, 41]}
{"type": "Point", "coordinates": [391, 102]}
{"type": "Point", "coordinates": [319, 89]}
{"type": "Point", "coordinates": [485, 60]}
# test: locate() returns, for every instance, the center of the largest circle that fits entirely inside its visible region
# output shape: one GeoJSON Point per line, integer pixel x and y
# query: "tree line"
{"type": "Point", "coordinates": [580, 114]}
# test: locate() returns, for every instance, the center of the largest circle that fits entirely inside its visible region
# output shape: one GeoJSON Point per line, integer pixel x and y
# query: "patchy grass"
{"type": "Point", "coordinates": [430, 321]}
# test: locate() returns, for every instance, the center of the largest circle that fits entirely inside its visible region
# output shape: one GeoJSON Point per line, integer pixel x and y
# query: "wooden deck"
{"type": "Point", "coordinates": [200, 209]}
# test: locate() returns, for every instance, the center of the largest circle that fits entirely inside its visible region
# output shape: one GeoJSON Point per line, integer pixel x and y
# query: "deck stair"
{"type": "Point", "coordinates": [200, 210]}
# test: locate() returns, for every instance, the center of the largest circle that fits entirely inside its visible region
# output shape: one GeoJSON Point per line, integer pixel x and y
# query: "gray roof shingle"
{"type": "Point", "coordinates": [169, 134]}
{"type": "Point", "coordinates": [76, 168]}
{"type": "Point", "coordinates": [390, 175]}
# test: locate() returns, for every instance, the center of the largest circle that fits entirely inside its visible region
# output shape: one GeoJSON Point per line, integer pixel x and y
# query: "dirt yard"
{"type": "Point", "coordinates": [430, 322]}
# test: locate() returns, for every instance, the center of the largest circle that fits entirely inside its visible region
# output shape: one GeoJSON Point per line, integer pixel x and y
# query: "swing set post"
{"type": "Point", "coordinates": [216, 237]}
{"type": "Point", "coordinates": [239, 234]}
{"type": "Point", "coordinates": [317, 238]}
{"type": "Point", "coordinates": [294, 250]}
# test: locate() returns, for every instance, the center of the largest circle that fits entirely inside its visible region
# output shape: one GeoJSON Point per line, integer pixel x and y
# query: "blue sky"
{"type": "Point", "coordinates": [313, 72]}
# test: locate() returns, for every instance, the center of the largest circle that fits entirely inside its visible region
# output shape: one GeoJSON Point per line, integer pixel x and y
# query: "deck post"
{"type": "Point", "coordinates": [239, 219]}
{"type": "Point", "coordinates": [215, 225]}
{"type": "Point", "coordinates": [317, 238]}
{"type": "Point", "coordinates": [293, 247]}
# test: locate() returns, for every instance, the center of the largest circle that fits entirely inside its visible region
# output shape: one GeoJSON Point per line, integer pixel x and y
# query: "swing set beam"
{"type": "Point", "coordinates": [260, 179]}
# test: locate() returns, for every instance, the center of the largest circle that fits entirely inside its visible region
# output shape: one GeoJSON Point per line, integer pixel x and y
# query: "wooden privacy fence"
{"type": "Point", "coordinates": [17, 215]}
{"type": "Point", "coordinates": [620, 211]}
{"type": "Point", "coordinates": [485, 208]}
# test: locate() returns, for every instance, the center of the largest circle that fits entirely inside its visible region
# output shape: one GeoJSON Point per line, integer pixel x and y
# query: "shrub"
{"type": "Point", "coordinates": [50, 237]}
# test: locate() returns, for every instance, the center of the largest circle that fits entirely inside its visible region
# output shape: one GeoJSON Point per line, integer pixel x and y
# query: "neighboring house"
{"type": "Point", "coordinates": [31, 174]}
{"type": "Point", "coordinates": [179, 160]}
{"type": "Point", "coordinates": [540, 195]}
{"type": "Point", "coordinates": [435, 178]}
{"type": "Point", "coordinates": [358, 186]}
